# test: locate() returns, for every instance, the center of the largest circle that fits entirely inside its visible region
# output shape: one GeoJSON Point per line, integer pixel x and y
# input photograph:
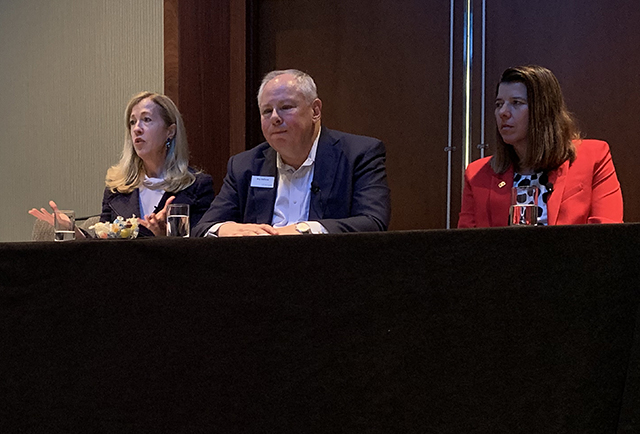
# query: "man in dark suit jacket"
{"type": "Point", "coordinates": [304, 178]}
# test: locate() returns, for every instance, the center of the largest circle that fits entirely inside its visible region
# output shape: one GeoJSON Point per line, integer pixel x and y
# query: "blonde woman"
{"type": "Point", "coordinates": [153, 170]}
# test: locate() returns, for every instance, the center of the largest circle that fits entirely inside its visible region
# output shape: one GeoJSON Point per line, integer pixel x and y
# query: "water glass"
{"type": "Point", "coordinates": [524, 206]}
{"type": "Point", "coordinates": [178, 220]}
{"type": "Point", "coordinates": [64, 225]}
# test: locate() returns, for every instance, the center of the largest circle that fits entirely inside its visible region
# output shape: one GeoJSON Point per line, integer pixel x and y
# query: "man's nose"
{"type": "Point", "coordinates": [275, 117]}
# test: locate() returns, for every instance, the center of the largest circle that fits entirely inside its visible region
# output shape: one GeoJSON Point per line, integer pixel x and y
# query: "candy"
{"type": "Point", "coordinates": [120, 228]}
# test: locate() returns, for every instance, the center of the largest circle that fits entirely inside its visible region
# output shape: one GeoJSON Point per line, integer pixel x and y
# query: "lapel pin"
{"type": "Point", "coordinates": [501, 184]}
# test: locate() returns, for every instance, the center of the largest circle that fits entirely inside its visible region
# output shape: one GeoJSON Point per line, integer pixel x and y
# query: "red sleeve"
{"type": "Point", "coordinates": [606, 203]}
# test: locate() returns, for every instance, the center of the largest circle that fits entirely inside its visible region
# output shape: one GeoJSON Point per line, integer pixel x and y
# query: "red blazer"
{"type": "Point", "coordinates": [586, 191]}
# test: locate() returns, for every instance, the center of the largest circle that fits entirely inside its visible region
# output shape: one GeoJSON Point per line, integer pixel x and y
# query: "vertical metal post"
{"type": "Point", "coordinates": [483, 103]}
{"type": "Point", "coordinates": [468, 64]}
{"type": "Point", "coordinates": [449, 149]}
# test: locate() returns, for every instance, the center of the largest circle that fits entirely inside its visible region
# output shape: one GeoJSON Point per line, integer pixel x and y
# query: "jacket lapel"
{"type": "Point", "coordinates": [264, 199]}
{"type": "Point", "coordinates": [325, 166]}
{"type": "Point", "coordinates": [500, 198]}
{"type": "Point", "coordinates": [163, 200]}
{"type": "Point", "coordinates": [184, 196]}
{"type": "Point", "coordinates": [126, 205]}
{"type": "Point", "coordinates": [558, 178]}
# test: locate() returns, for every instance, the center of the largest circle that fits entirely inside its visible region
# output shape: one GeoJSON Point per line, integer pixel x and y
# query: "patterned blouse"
{"type": "Point", "coordinates": [539, 180]}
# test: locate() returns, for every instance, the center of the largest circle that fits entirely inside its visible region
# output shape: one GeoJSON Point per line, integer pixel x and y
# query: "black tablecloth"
{"type": "Point", "coordinates": [530, 330]}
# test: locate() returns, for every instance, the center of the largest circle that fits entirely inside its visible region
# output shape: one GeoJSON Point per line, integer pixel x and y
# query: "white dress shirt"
{"type": "Point", "coordinates": [293, 197]}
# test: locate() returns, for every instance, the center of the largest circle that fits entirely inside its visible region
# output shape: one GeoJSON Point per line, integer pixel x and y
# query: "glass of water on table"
{"type": "Point", "coordinates": [64, 225]}
{"type": "Point", "coordinates": [178, 220]}
{"type": "Point", "coordinates": [524, 206]}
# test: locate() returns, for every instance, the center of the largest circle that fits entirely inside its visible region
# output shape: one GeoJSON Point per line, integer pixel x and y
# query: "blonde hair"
{"type": "Point", "coordinates": [552, 128]}
{"type": "Point", "coordinates": [127, 175]}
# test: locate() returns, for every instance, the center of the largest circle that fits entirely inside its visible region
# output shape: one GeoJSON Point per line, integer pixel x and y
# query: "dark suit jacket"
{"type": "Point", "coordinates": [586, 191]}
{"type": "Point", "coordinates": [350, 176]}
{"type": "Point", "coordinates": [198, 196]}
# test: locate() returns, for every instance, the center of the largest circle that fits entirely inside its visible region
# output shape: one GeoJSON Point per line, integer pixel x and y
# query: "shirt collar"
{"type": "Point", "coordinates": [311, 158]}
{"type": "Point", "coordinates": [150, 182]}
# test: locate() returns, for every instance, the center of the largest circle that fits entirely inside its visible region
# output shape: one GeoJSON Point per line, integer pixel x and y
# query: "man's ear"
{"type": "Point", "coordinates": [316, 106]}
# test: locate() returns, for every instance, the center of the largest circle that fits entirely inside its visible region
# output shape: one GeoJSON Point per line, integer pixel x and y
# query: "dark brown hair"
{"type": "Point", "coordinates": [551, 127]}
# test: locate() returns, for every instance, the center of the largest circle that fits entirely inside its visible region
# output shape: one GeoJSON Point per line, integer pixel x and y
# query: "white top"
{"type": "Point", "coordinates": [149, 198]}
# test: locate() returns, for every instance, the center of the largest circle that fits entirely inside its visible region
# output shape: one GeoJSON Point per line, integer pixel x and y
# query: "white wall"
{"type": "Point", "coordinates": [67, 70]}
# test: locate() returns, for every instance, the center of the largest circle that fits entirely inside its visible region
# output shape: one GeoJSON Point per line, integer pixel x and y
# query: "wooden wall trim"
{"type": "Point", "coordinates": [171, 51]}
{"type": "Point", "coordinates": [205, 76]}
{"type": "Point", "coordinates": [237, 76]}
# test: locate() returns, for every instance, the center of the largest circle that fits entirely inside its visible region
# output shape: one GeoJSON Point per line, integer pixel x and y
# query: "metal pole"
{"type": "Point", "coordinates": [468, 64]}
{"type": "Point", "coordinates": [483, 103]}
{"type": "Point", "coordinates": [449, 149]}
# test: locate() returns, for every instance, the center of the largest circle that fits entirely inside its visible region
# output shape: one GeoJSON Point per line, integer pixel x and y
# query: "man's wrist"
{"type": "Point", "coordinates": [303, 228]}
{"type": "Point", "coordinates": [215, 229]}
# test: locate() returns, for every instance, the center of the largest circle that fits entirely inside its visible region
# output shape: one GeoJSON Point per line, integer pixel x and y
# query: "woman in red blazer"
{"type": "Point", "coordinates": [539, 145]}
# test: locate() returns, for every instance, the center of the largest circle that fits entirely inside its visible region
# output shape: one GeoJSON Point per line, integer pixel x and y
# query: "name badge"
{"type": "Point", "coordinates": [262, 181]}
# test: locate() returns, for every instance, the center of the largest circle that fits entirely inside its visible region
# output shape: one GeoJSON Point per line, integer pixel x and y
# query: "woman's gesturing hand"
{"type": "Point", "coordinates": [157, 222]}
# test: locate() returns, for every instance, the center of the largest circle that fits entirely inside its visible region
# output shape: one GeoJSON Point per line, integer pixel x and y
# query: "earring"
{"type": "Point", "coordinates": [168, 142]}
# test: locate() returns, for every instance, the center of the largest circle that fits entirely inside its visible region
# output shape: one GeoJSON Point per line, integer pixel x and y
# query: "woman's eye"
{"type": "Point", "coordinates": [147, 119]}
{"type": "Point", "coordinates": [132, 122]}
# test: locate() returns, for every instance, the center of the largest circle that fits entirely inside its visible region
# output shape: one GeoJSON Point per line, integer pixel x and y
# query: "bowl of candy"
{"type": "Point", "coordinates": [121, 228]}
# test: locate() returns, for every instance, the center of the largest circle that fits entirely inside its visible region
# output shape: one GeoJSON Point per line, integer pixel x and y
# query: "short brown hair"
{"type": "Point", "coordinates": [551, 127]}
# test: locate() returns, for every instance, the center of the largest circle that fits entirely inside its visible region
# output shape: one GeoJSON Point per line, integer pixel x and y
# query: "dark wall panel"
{"type": "Point", "coordinates": [381, 70]}
{"type": "Point", "coordinates": [591, 46]}
{"type": "Point", "coordinates": [205, 76]}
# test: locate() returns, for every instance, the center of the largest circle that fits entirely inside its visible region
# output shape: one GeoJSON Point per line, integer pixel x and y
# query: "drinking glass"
{"type": "Point", "coordinates": [524, 206]}
{"type": "Point", "coordinates": [178, 220]}
{"type": "Point", "coordinates": [64, 225]}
